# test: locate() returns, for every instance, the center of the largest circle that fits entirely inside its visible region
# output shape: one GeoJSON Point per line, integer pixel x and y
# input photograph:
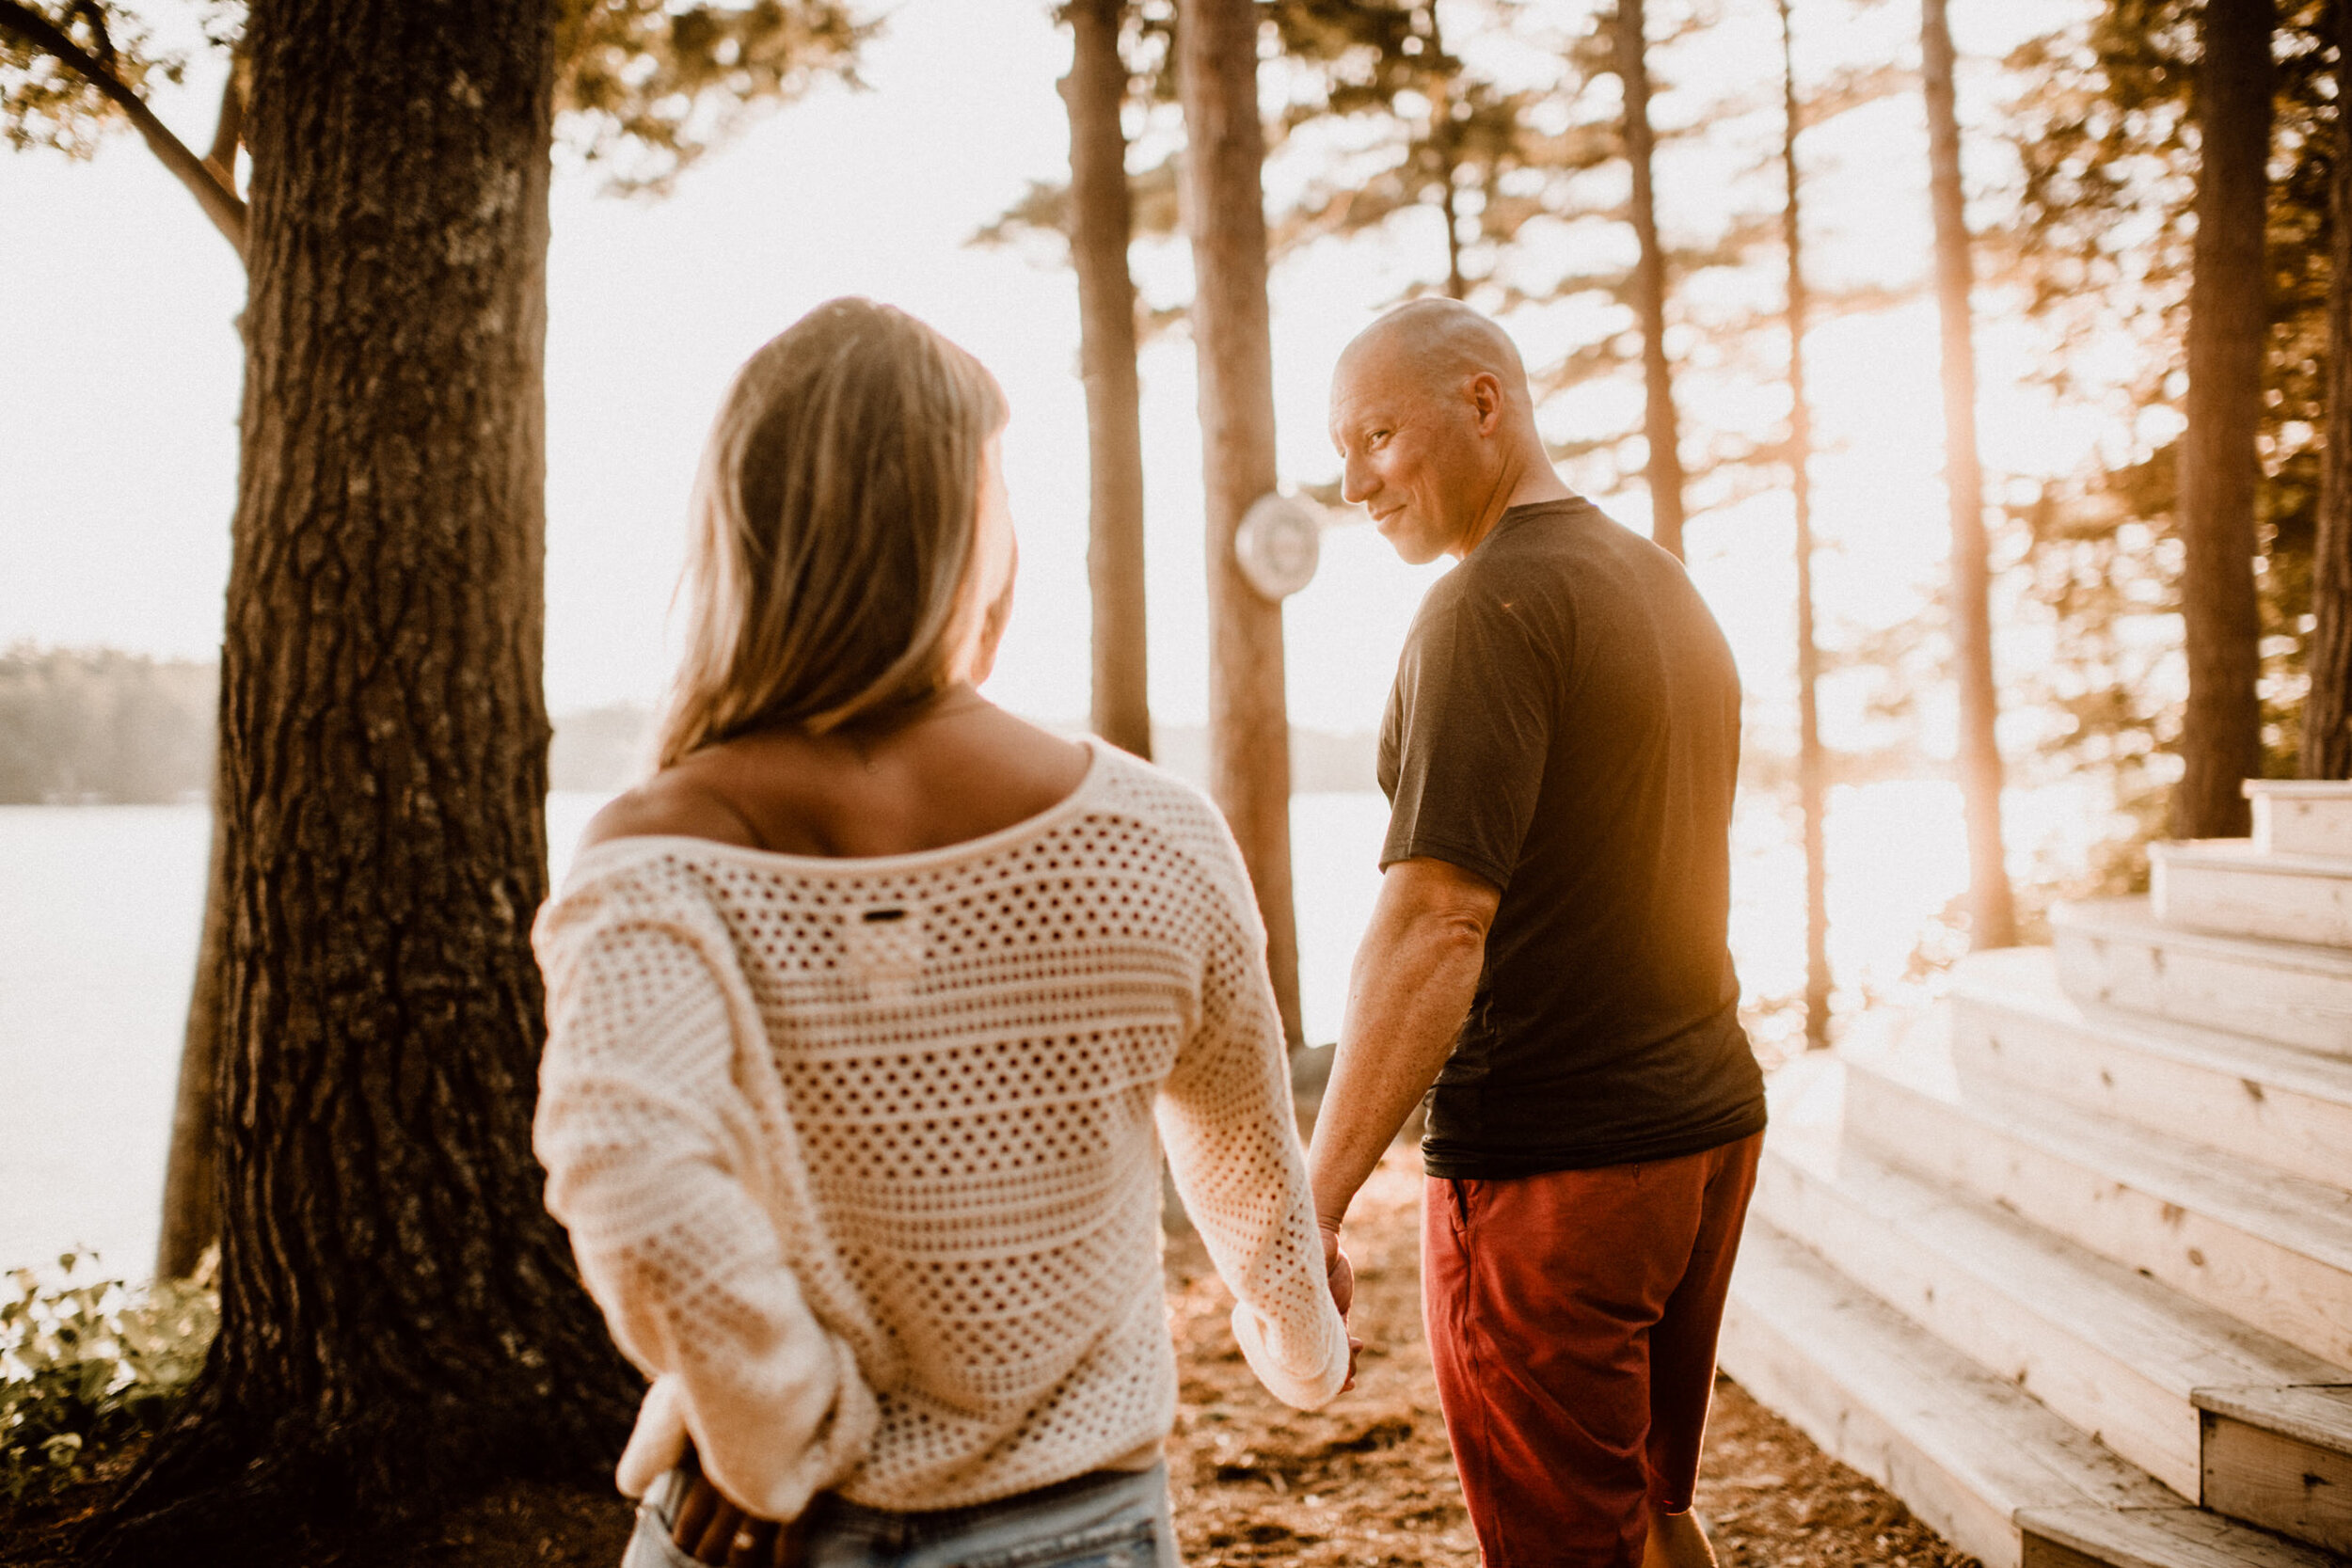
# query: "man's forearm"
{"type": "Point", "coordinates": [1411, 988]}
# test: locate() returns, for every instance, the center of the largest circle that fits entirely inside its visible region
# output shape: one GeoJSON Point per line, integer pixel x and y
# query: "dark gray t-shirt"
{"type": "Point", "coordinates": [1565, 723]}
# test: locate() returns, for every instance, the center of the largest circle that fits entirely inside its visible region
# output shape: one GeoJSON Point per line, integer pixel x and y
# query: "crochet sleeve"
{"type": "Point", "coordinates": [1232, 1134]}
{"type": "Point", "coordinates": [656, 1160]}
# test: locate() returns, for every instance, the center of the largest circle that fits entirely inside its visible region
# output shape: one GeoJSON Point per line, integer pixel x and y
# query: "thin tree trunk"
{"type": "Point", "coordinates": [401, 1321]}
{"type": "Point", "coordinates": [1250, 765]}
{"type": "Point", "coordinates": [1992, 906]}
{"type": "Point", "coordinates": [2220, 460]}
{"type": "Point", "coordinates": [191, 1209]}
{"type": "Point", "coordinates": [1102, 224]}
{"type": "Point", "coordinates": [1812, 782]}
{"type": "Point", "coordinates": [2327, 711]}
{"type": "Point", "coordinates": [1659, 422]}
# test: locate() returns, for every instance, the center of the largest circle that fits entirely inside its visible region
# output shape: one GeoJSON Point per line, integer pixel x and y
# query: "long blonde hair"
{"type": "Point", "coordinates": [832, 529]}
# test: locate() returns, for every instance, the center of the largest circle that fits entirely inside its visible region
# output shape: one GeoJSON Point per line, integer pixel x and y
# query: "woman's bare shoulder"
{"type": "Point", "coordinates": [676, 802]}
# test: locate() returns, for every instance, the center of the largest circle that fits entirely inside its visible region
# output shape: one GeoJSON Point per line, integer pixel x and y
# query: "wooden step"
{"type": "Point", "coordinates": [2282, 1458]}
{"type": "Point", "coordinates": [2271, 1105]}
{"type": "Point", "coordinates": [2082, 1537]}
{"type": "Point", "coordinates": [2118, 1355]}
{"type": "Point", "coordinates": [2302, 817]}
{"type": "Point", "coordinates": [2271, 1250]}
{"type": "Point", "coordinates": [2226, 886]}
{"type": "Point", "coordinates": [1976, 1457]}
{"type": "Point", "coordinates": [2114, 952]}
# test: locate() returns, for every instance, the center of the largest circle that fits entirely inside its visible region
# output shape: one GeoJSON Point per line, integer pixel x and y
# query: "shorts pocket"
{"type": "Point", "coordinates": [1129, 1544]}
{"type": "Point", "coordinates": [649, 1543]}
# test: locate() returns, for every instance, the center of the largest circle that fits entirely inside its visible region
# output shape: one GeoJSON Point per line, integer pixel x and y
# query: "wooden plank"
{"type": "Point", "coordinates": [2116, 1354]}
{"type": "Point", "coordinates": [2222, 885]}
{"type": "Point", "coordinates": [2278, 1481]}
{"type": "Point", "coordinates": [2317, 1413]}
{"type": "Point", "coordinates": [2269, 1105]}
{"type": "Point", "coordinates": [1963, 1448]}
{"type": "Point", "coordinates": [2274, 1253]}
{"type": "Point", "coordinates": [2114, 952]}
{"type": "Point", "coordinates": [2302, 817]}
{"type": "Point", "coordinates": [2152, 1538]}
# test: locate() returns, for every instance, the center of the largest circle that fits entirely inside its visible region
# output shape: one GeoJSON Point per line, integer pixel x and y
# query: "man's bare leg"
{"type": "Point", "coordinates": [1676, 1541]}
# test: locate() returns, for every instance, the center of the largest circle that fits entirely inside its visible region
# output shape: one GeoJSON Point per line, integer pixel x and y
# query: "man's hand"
{"type": "Point", "coordinates": [711, 1529]}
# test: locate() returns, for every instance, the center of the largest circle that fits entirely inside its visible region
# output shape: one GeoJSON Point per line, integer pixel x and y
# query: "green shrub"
{"type": "Point", "coordinates": [88, 1363]}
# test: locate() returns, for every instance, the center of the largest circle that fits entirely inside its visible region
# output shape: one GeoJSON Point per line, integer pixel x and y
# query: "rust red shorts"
{"type": "Point", "coordinates": [1572, 1318]}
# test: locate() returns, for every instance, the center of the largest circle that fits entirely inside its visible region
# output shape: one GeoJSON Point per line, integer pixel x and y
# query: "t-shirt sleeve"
{"type": "Point", "coordinates": [1472, 717]}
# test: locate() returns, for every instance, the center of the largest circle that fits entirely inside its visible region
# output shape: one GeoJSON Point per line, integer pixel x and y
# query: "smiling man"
{"type": "Point", "coordinates": [1546, 962]}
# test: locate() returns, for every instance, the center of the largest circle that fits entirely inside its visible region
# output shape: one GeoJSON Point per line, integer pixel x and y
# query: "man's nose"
{"type": "Point", "coordinates": [1357, 483]}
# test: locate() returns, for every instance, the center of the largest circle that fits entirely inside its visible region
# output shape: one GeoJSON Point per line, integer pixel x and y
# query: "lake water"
{"type": "Point", "coordinates": [99, 906]}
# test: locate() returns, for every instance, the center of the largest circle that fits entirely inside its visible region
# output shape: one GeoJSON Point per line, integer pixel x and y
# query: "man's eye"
{"type": "Point", "coordinates": [1378, 439]}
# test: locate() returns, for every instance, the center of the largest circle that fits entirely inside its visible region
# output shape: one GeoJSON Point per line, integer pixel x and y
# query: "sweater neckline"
{"type": "Point", "coordinates": [1098, 763]}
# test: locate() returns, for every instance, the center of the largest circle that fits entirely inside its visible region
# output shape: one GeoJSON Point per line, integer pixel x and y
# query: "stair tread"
{"type": "Point", "coordinates": [2318, 1413]}
{"type": "Point", "coordinates": [2133, 920]}
{"type": "Point", "coordinates": [2308, 1217]}
{"type": "Point", "coordinates": [2000, 1442]}
{"type": "Point", "coordinates": [2026, 980]}
{"type": "Point", "coordinates": [2243, 854]}
{"type": "Point", "coordinates": [2169, 1538]}
{"type": "Point", "coordinates": [2301, 789]}
{"type": "Point", "coordinates": [2174, 1341]}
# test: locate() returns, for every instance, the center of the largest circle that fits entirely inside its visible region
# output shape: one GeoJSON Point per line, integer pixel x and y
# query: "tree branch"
{"type": "Point", "coordinates": [230, 133]}
{"type": "Point", "coordinates": [219, 202]}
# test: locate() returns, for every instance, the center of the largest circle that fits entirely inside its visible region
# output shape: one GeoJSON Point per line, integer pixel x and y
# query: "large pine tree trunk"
{"type": "Point", "coordinates": [1812, 770]}
{"type": "Point", "coordinates": [1250, 761]}
{"type": "Point", "coordinates": [2220, 460]}
{"type": "Point", "coordinates": [2327, 711]}
{"type": "Point", "coordinates": [1101, 223]}
{"type": "Point", "coordinates": [400, 1319]}
{"type": "Point", "coordinates": [1992, 907]}
{"type": "Point", "coordinates": [1660, 424]}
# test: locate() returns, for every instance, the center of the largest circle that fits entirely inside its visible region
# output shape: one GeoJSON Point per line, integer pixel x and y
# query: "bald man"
{"type": "Point", "coordinates": [1546, 962]}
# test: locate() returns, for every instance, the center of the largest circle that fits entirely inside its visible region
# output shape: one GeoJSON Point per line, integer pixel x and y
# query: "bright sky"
{"type": "Point", "coordinates": [118, 451]}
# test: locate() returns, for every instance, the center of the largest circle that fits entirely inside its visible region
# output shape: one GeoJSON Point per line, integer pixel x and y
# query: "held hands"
{"type": "Point", "coordinates": [1341, 1275]}
{"type": "Point", "coordinates": [711, 1529]}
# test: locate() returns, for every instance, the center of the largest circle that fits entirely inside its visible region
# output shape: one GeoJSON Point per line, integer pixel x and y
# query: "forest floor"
{"type": "Point", "coordinates": [1367, 1483]}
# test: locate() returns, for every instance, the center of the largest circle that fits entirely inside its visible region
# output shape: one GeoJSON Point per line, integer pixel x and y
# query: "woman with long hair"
{"type": "Point", "coordinates": [871, 1012]}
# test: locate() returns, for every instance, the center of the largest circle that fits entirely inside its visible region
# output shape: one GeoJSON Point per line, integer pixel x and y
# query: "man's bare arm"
{"type": "Point", "coordinates": [1407, 994]}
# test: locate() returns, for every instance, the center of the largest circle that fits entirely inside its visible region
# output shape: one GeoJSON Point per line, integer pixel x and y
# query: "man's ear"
{"type": "Point", "coordinates": [1487, 403]}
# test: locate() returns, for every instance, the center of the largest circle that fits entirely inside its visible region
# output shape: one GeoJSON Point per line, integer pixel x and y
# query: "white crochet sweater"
{"type": "Point", "coordinates": [858, 1154]}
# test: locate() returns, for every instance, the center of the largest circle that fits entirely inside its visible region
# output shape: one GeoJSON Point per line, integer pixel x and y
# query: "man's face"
{"type": "Point", "coordinates": [1411, 452]}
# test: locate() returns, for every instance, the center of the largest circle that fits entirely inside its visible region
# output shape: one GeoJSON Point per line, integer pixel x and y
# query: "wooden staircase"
{"type": "Point", "coordinates": [2066, 1261]}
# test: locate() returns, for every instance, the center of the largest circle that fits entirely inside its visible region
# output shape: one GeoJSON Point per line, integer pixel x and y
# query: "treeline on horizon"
{"type": "Point", "coordinates": [100, 726]}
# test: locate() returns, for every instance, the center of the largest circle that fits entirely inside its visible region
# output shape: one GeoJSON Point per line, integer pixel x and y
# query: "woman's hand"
{"type": "Point", "coordinates": [1338, 1270]}
{"type": "Point", "coordinates": [711, 1529]}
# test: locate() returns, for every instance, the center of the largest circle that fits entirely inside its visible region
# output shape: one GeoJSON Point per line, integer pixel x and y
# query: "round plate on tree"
{"type": "Point", "coordinates": [1278, 544]}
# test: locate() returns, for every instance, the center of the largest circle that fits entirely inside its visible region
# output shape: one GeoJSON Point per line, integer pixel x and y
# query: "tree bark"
{"type": "Point", "coordinates": [2327, 711]}
{"type": "Point", "coordinates": [1812, 772]}
{"type": "Point", "coordinates": [2220, 460]}
{"type": "Point", "coordinates": [191, 1209]}
{"type": "Point", "coordinates": [401, 1321]}
{"type": "Point", "coordinates": [1659, 422]}
{"type": "Point", "coordinates": [1217, 43]}
{"type": "Point", "coordinates": [1102, 225]}
{"type": "Point", "coordinates": [1992, 906]}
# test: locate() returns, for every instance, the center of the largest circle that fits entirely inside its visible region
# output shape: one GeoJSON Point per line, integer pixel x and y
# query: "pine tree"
{"type": "Point", "coordinates": [1217, 45]}
{"type": "Point", "coordinates": [2220, 458]}
{"type": "Point", "coordinates": [1659, 422]}
{"type": "Point", "coordinates": [2327, 711]}
{"type": "Point", "coordinates": [1992, 907]}
{"type": "Point", "coordinates": [1101, 228]}
{"type": "Point", "coordinates": [1812, 770]}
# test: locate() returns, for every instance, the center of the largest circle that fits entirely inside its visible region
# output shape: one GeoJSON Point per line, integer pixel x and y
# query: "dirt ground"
{"type": "Point", "coordinates": [1367, 1483]}
{"type": "Point", "coordinates": [1369, 1480]}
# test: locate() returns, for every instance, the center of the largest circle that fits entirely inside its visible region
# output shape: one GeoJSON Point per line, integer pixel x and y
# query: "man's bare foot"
{"type": "Point", "coordinates": [1676, 1540]}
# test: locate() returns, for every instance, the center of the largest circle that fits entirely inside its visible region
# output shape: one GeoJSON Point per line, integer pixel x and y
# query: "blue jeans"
{"type": "Point", "coordinates": [1119, 1520]}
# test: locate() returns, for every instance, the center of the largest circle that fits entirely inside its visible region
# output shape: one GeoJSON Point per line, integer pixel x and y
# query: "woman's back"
{"type": "Point", "coordinates": [924, 1083]}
